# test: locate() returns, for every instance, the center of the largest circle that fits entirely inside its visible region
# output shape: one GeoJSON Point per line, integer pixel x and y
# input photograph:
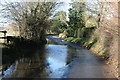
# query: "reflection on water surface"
{"type": "Point", "coordinates": [48, 62]}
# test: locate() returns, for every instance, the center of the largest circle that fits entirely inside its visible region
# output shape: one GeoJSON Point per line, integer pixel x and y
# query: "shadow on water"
{"type": "Point", "coordinates": [50, 61]}
{"type": "Point", "coordinates": [25, 65]}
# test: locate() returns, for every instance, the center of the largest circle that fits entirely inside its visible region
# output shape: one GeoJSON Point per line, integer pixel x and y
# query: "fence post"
{"type": "Point", "coordinates": [5, 37]}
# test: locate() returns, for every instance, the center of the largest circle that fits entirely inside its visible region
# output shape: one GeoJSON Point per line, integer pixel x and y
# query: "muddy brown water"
{"type": "Point", "coordinates": [57, 61]}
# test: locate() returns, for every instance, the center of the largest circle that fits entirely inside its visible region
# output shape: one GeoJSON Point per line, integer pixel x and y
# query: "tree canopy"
{"type": "Point", "coordinates": [32, 18]}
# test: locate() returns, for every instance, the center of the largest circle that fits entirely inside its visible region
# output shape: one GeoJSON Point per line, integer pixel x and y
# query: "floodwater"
{"type": "Point", "coordinates": [52, 61]}
{"type": "Point", "coordinates": [58, 61]}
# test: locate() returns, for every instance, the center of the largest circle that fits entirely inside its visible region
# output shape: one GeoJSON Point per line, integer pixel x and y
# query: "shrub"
{"type": "Point", "coordinates": [91, 24]}
{"type": "Point", "coordinates": [69, 39]}
{"type": "Point", "coordinates": [86, 31]}
{"type": "Point", "coordinates": [76, 40]}
{"type": "Point", "coordinates": [104, 53]}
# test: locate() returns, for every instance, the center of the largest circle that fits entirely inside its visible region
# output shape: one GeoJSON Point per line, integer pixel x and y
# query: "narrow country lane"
{"type": "Point", "coordinates": [59, 59]}
{"type": "Point", "coordinates": [85, 64]}
{"type": "Point", "coordinates": [54, 39]}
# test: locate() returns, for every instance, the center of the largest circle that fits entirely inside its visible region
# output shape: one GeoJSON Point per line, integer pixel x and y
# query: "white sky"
{"type": "Point", "coordinates": [64, 7]}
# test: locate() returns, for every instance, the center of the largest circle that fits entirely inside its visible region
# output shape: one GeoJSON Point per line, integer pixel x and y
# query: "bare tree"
{"type": "Point", "coordinates": [31, 17]}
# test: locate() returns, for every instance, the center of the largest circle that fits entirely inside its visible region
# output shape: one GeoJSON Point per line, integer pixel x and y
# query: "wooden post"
{"type": "Point", "coordinates": [5, 40]}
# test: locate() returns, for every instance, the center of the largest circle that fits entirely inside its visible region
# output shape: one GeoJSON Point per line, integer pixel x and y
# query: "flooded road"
{"type": "Point", "coordinates": [58, 61]}
{"type": "Point", "coordinates": [49, 62]}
